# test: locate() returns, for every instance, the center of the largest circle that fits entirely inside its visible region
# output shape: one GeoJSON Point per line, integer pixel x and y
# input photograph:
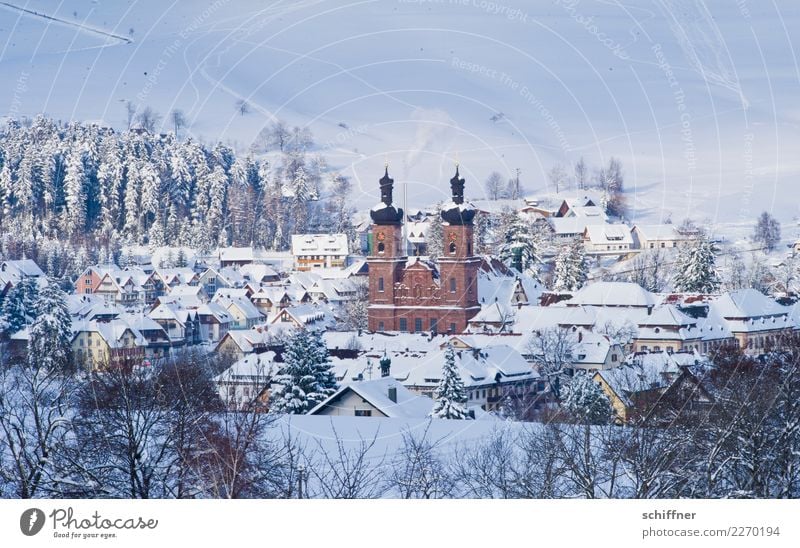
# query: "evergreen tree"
{"type": "Point", "coordinates": [14, 314]}
{"type": "Point", "coordinates": [451, 395]}
{"type": "Point", "coordinates": [434, 236]}
{"type": "Point", "coordinates": [306, 378]}
{"type": "Point", "coordinates": [519, 246]}
{"type": "Point", "coordinates": [75, 185]}
{"type": "Point", "coordinates": [695, 268]}
{"type": "Point", "coordinates": [586, 401]}
{"type": "Point", "coordinates": [570, 267]}
{"type": "Point", "coordinates": [49, 345]}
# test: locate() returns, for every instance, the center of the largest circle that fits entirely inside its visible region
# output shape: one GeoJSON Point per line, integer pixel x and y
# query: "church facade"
{"type": "Point", "coordinates": [418, 295]}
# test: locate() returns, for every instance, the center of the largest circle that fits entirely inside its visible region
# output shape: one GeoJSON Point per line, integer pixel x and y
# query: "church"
{"type": "Point", "coordinates": [417, 295]}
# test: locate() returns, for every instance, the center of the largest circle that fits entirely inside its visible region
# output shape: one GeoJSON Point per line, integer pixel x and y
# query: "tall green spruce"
{"type": "Point", "coordinates": [306, 379]}
{"type": "Point", "coordinates": [450, 395]}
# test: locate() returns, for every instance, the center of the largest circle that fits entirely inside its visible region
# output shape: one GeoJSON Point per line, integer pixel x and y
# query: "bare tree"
{"type": "Point", "coordinates": [649, 270]}
{"type": "Point", "coordinates": [148, 119]}
{"type": "Point", "coordinates": [494, 185]}
{"type": "Point", "coordinates": [178, 120]}
{"type": "Point", "coordinates": [418, 472]}
{"type": "Point", "coordinates": [552, 350]}
{"type": "Point", "coordinates": [35, 422]}
{"type": "Point", "coordinates": [557, 177]}
{"type": "Point", "coordinates": [581, 173]}
{"type": "Point", "coordinates": [348, 470]}
{"type": "Point", "coordinates": [130, 111]}
{"type": "Point", "coordinates": [767, 232]}
{"type": "Point", "coordinates": [242, 107]}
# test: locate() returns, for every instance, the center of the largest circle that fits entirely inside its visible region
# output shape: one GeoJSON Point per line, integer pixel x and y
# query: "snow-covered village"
{"type": "Point", "coordinates": [296, 302]}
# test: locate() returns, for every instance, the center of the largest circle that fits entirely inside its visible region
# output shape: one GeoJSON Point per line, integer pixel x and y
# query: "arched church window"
{"type": "Point", "coordinates": [452, 248]}
{"type": "Point", "coordinates": [381, 248]}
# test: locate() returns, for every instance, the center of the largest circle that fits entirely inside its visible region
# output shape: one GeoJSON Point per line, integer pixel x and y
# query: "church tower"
{"type": "Point", "coordinates": [458, 266]}
{"type": "Point", "coordinates": [386, 259]}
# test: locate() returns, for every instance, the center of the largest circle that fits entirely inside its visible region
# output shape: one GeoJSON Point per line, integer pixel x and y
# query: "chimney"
{"type": "Point", "coordinates": [393, 394]}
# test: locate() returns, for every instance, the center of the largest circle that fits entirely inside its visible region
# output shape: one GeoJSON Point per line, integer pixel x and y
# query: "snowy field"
{"type": "Point", "coordinates": [697, 100]}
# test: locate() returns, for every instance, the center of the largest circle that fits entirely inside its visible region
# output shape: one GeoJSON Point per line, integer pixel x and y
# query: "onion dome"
{"type": "Point", "coordinates": [457, 212]}
{"type": "Point", "coordinates": [386, 213]}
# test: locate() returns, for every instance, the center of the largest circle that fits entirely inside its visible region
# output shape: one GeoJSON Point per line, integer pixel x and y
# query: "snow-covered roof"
{"type": "Point", "coordinates": [257, 368]}
{"type": "Point", "coordinates": [746, 303]}
{"type": "Point", "coordinates": [613, 294]}
{"type": "Point", "coordinates": [565, 226]}
{"type": "Point", "coordinates": [658, 232]}
{"type": "Point", "coordinates": [376, 393]}
{"type": "Point", "coordinates": [245, 340]}
{"type": "Point", "coordinates": [608, 234]}
{"type": "Point", "coordinates": [319, 244]}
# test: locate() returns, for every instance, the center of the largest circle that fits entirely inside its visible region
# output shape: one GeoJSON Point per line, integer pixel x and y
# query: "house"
{"type": "Point", "coordinates": [593, 352]}
{"type": "Point", "coordinates": [566, 209]}
{"type": "Point", "coordinates": [120, 287]}
{"type": "Point", "coordinates": [247, 381]}
{"type": "Point", "coordinates": [244, 313]}
{"type": "Point", "coordinates": [655, 387]}
{"type": "Point", "coordinates": [181, 325]}
{"type": "Point", "coordinates": [172, 277]}
{"type": "Point", "coordinates": [236, 256]}
{"type": "Point", "coordinates": [312, 251]}
{"type": "Point", "coordinates": [607, 239]}
{"type": "Point", "coordinates": [269, 299]}
{"type": "Point", "coordinates": [259, 273]}
{"type": "Point", "coordinates": [13, 272]}
{"type": "Point", "coordinates": [98, 345]}
{"type": "Point", "coordinates": [154, 338]}
{"type": "Point", "coordinates": [300, 316]}
{"type": "Point", "coordinates": [614, 294]}
{"type": "Point", "coordinates": [383, 397]}
{"type": "Point", "coordinates": [215, 321]}
{"type": "Point", "coordinates": [664, 236]}
{"type": "Point", "coordinates": [240, 343]}
{"type": "Point", "coordinates": [190, 296]}
{"type": "Point", "coordinates": [755, 321]}
{"type": "Point", "coordinates": [415, 238]}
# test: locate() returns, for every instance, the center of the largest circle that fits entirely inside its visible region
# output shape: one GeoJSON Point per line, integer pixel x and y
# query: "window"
{"type": "Point", "coordinates": [88, 281]}
{"type": "Point", "coordinates": [380, 326]}
{"type": "Point", "coordinates": [363, 412]}
{"type": "Point", "coordinates": [433, 324]}
{"type": "Point", "coordinates": [381, 248]}
{"type": "Point", "coordinates": [452, 328]}
{"type": "Point", "coordinates": [452, 248]}
{"type": "Point", "coordinates": [670, 349]}
{"type": "Point", "coordinates": [380, 284]}
{"type": "Point", "coordinates": [417, 324]}
{"type": "Point", "coordinates": [657, 348]}
{"type": "Point", "coordinates": [663, 244]}
{"type": "Point", "coordinates": [452, 285]}
{"type": "Point", "coordinates": [403, 324]}
{"type": "Point", "coordinates": [613, 357]}
{"type": "Point", "coordinates": [651, 245]}
{"type": "Point", "coordinates": [469, 248]}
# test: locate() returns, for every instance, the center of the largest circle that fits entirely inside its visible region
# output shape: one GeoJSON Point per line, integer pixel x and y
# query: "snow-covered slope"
{"type": "Point", "coordinates": [698, 101]}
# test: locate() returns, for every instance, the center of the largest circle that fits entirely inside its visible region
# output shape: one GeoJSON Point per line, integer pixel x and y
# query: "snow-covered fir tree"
{"type": "Point", "coordinates": [695, 268]}
{"type": "Point", "coordinates": [75, 188]}
{"type": "Point", "coordinates": [586, 401]}
{"type": "Point", "coordinates": [519, 245]}
{"type": "Point", "coordinates": [450, 396]}
{"type": "Point", "coordinates": [14, 314]}
{"type": "Point", "coordinates": [306, 378]}
{"type": "Point", "coordinates": [434, 235]}
{"type": "Point", "coordinates": [50, 342]}
{"type": "Point", "coordinates": [570, 267]}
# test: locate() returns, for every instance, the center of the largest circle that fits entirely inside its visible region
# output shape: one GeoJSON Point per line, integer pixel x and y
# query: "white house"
{"type": "Point", "coordinates": [656, 236]}
{"type": "Point", "coordinates": [312, 251]}
{"type": "Point", "coordinates": [607, 239]}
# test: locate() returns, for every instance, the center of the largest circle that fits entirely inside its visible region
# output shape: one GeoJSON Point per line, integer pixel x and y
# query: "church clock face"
{"type": "Point", "coordinates": [453, 236]}
{"type": "Point", "coordinates": [381, 236]}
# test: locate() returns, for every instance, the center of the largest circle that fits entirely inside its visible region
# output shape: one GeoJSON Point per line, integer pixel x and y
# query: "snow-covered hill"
{"type": "Point", "coordinates": [698, 101]}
